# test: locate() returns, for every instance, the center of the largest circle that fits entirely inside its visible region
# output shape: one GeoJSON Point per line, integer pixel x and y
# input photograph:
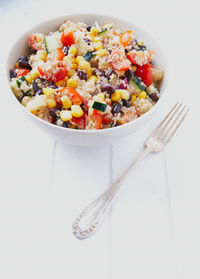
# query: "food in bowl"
{"type": "Point", "coordinates": [87, 76]}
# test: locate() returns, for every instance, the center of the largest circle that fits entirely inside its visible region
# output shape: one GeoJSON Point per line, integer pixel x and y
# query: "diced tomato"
{"type": "Point", "coordinates": [58, 54]}
{"type": "Point", "coordinates": [126, 38]}
{"type": "Point", "coordinates": [140, 58]}
{"type": "Point", "coordinates": [97, 118]}
{"type": "Point", "coordinates": [22, 72]}
{"type": "Point", "coordinates": [40, 70]}
{"type": "Point", "coordinates": [80, 121]}
{"type": "Point", "coordinates": [35, 43]}
{"type": "Point", "coordinates": [117, 61]}
{"type": "Point", "coordinates": [67, 38]}
{"type": "Point", "coordinates": [145, 73]}
{"type": "Point", "coordinates": [59, 74]}
{"type": "Point", "coordinates": [85, 102]}
{"type": "Point", "coordinates": [107, 119]}
{"type": "Point", "coordinates": [120, 66]}
{"type": "Point", "coordinates": [72, 94]}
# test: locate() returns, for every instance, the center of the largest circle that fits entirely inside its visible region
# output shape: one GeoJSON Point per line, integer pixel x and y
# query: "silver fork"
{"type": "Point", "coordinates": [154, 143]}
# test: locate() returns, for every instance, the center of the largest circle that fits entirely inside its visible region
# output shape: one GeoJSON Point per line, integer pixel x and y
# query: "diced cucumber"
{"type": "Point", "coordinates": [52, 42]}
{"type": "Point", "coordinates": [99, 106]}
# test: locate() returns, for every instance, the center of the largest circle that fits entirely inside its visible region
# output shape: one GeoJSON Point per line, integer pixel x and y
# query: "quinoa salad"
{"type": "Point", "coordinates": [87, 76]}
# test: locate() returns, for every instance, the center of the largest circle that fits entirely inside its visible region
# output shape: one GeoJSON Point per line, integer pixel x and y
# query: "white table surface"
{"type": "Point", "coordinates": [153, 229]}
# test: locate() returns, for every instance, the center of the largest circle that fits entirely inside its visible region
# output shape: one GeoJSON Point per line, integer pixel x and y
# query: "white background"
{"type": "Point", "coordinates": [153, 230]}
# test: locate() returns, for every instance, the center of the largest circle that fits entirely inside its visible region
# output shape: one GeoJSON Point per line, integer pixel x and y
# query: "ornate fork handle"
{"type": "Point", "coordinates": [154, 143]}
{"type": "Point", "coordinates": [102, 204]}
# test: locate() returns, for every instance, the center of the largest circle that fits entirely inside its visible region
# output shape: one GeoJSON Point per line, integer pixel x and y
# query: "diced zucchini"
{"type": "Point", "coordinates": [52, 41]}
{"type": "Point", "coordinates": [99, 106]}
{"type": "Point", "coordinates": [135, 86]}
{"type": "Point", "coordinates": [139, 82]}
{"type": "Point", "coordinates": [88, 56]}
{"type": "Point", "coordinates": [22, 84]}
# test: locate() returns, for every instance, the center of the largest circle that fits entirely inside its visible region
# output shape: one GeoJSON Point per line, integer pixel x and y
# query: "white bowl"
{"type": "Point", "coordinates": [88, 137]}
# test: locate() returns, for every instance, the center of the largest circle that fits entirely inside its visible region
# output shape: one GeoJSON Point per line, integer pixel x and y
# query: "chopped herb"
{"type": "Point", "coordinates": [89, 55]}
{"type": "Point", "coordinates": [102, 31]}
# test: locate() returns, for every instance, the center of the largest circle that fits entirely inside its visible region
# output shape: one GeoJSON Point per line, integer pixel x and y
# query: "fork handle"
{"type": "Point", "coordinates": [102, 204]}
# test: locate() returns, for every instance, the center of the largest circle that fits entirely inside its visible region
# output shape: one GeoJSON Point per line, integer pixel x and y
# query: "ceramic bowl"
{"type": "Point", "coordinates": [89, 137]}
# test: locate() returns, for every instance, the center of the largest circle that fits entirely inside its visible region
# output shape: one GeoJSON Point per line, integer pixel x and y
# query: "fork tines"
{"type": "Point", "coordinates": [169, 125]}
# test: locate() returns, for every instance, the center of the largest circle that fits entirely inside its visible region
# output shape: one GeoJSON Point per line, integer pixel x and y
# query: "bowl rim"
{"type": "Point", "coordinates": [85, 131]}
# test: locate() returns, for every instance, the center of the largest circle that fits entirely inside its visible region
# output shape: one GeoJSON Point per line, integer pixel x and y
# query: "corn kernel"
{"type": "Point", "coordinates": [72, 50]}
{"type": "Point", "coordinates": [48, 91]}
{"type": "Point", "coordinates": [65, 115]}
{"type": "Point", "coordinates": [67, 103]}
{"type": "Point", "coordinates": [134, 68]}
{"type": "Point", "coordinates": [133, 98]}
{"type": "Point", "coordinates": [84, 65]}
{"type": "Point", "coordinates": [76, 111]}
{"type": "Point", "coordinates": [25, 100]}
{"type": "Point", "coordinates": [60, 82]}
{"type": "Point", "coordinates": [101, 96]}
{"type": "Point", "coordinates": [94, 30]}
{"type": "Point", "coordinates": [79, 59]}
{"type": "Point", "coordinates": [72, 83]}
{"type": "Point", "coordinates": [116, 96]}
{"type": "Point", "coordinates": [140, 43]}
{"type": "Point", "coordinates": [93, 78]}
{"type": "Point", "coordinates": [43, 56]}
{"type": "Point", "coordinates": [51, 103]}
{"type": "Point", "coordinates": [96, 39]}
{"type": "Point", "coordinates": [142, 95]}
{"type": "Point", "coordinates": [70, 58]}
{"type": "Point", "coordinates": [29, 79]}
{"type": "Point", "coordinates": [90, 37]}
{"type": "Point", "coordinates": [102, 52]}
{"type": "Point", "coordinates": [98, 45]}
{"type": "Point", "coordinates": [71, 72]}
{"type": "Point", "coordinates": [34, 74]}
{"type": "Point", "coordinates": [124, 94]}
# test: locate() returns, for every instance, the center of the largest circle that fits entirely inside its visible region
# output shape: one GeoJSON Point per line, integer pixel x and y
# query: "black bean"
{"type": "Point", "coordinates": [33, 51]}
{"type": "Point", "coordinates": [53, 86]}
{"type": "Point", "coordinates": [24, 64]}
{"type": "Point", "coordinates": [53, 112]}
{"type": "Point", "coordinates": [22, 58]}
{"type": "Point", "coordinates": [100, 72]}
{"type": "Point", "coordinates": [88, 27]}
{"type": "Point", "coordinates": [36, 88]}
{"type": "Point", "coordinates": [82, 75]}
{"type": "Point", "coordinates": [110, 73]}
{"type": "Point", "coordinates": [88, 41]}
{"type": "Point", "coordinates": [128, 75]}
{"type": "Point", "coordinates": [65, 125]}
{"type": "Point", "coordinates": [65, 50]}
{"type": "Point", "coordinates": [126, 103]}
{"type": "Point", "coordinates": [38, 92]}
{"type": "Point", "coordinates": [154, 97]}
{"type": "Point", "coordinates": [116, 108]}
{"type": "Point", "coordinates": [13, 73]}
{"type": "Point", "coordinates": [106, 87]}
